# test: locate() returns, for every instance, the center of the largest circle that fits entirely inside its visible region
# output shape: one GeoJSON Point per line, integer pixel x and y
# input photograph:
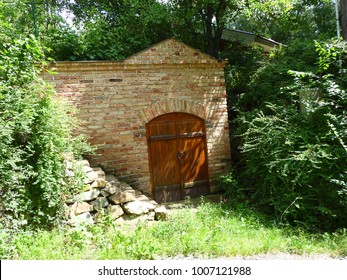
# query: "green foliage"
{"type": "Point", "coordinates": [201, 23]}
{"type": "Point", "coordinates": [285, 21]}
{"type": "Point", "coordinates": [245, 60]}
{"type": "Point", "coordinates": [103, 30]}
{"type": "Point", "coordinates": [117, 29]}
{"type": "Point", "coordinates": [35, 130]}
{"type": "Point", "coordinates": [17, 21]}
{"type": "Point", "coordinates": [236, 195]}
{"type": "Point", "coordinates": [62, 43]}
{"type": "Point", "coordinates": [295, 162]}
{"type": "Point", "coordinates": [269, 77]}
{"type": "Point", "coordinates": [199, 232]}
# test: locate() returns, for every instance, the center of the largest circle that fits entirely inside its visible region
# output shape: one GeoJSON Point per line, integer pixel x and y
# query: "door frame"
{"type": "Point", "coordinates": [152, 187]}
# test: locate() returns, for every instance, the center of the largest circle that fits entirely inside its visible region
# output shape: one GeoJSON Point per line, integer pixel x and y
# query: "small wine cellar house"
{"type": "Point", "coordinates": [159, 118]}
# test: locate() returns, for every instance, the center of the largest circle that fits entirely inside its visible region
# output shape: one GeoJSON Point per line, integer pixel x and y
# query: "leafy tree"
{"type": "Point", "coordinates": [295, 161]}
{"type": "Point", "coordinates": [35, 131]}
{"type": "Point", "coordinates": [285, 21]}
{"type": "Point", "coordinates": [118, 29]}
{"type": "Point", "coordinates": [191, 19]}
{"type": "Point", "coordinates": [12, 22]}
{"type": "Point", "coordinates": [19, 19]}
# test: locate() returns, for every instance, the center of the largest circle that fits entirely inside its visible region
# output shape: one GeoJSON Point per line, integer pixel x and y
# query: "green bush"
{"type": "Point", "coordinates": [295, 162]}
{"type": "Point", "coordinates": [35, 131]}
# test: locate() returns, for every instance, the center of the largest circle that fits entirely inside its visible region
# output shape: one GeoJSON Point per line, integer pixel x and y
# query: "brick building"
{"type": "Point", "coordinates": [159, 117]}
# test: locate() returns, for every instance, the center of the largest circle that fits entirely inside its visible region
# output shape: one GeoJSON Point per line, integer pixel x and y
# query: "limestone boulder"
{"type": "Point", "coordinates": [161, 213]}
{"type": "Point", "coordinates": [138, 207]}
{"type": "Point", "coordinates": [100, 172]}
{"type": "Point", "coordinates": [88, 195]}
{"type": "Point", "coordinates": [98, 183]}
{"type": "Point", "coordinates": [153, 202]}
{"type": "Point", "coordinates": [104, 193]}
{"type": "Point", "coordinates": [90, 177]}
{"type": "Point", "coordinates": [110, 188]}
{"type": "Point", "coordinates": [111, 178]}
{"type": "Point", "coordinates": [87, 169]}
{"type": "Point", "coordinates": [85, 218]}
{"type": "Point", "coordinates": [121, 197]}
{"type": "Point", "coordinates": [126, 188]}
{"type": "Point", "coordinates": [151, 216]}
{"type": "Point", "coordinates": [80, 207]}
{"type": "Point", "coordinates": [142, 197]}
{"type": "Point", "coordinates": [83, 162]}
{"type": "Point", "coordinates": [99, 203]}
{"type": "Point", "coordinates": [115, 211]}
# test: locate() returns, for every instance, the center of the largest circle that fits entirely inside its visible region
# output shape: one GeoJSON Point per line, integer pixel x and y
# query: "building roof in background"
{"type": "Point", "coordinates": [249, 37]}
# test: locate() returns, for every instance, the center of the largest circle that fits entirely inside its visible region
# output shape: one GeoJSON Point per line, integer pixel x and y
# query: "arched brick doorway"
{"type": "Point", "coordinates": [178, 156]}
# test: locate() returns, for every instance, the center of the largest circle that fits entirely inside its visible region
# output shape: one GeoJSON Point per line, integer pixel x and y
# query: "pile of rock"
{"type": "Point", "coordinates": [105, 194]}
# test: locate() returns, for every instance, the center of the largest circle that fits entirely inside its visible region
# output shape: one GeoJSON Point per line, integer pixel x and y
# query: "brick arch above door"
{"type": "Point", "coordinates": [170, 106]}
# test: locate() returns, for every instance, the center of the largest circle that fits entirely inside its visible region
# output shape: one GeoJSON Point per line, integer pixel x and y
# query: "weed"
{"type": "Point", "coordinates": [211, 230]}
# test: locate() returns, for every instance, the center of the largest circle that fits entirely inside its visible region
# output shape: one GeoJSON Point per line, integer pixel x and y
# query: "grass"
{"type": "Point", "coordinates": [209, 231]}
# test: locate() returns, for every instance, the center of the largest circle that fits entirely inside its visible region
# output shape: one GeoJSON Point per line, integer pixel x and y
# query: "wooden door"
{"type": "Point", "coordinates": [178, 156]}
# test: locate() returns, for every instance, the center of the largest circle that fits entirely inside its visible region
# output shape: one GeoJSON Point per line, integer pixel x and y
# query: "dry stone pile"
{"type": "Point", "coordinates": [105, 194]}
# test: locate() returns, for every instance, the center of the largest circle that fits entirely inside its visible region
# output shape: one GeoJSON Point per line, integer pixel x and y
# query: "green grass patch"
{"type": "Point", "coordinates": [211, 230]}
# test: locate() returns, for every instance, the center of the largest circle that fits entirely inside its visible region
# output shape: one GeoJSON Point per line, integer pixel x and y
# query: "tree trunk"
{"type": "Point", "coordinates": [343, 18]}
{"type": "Point", "coordinates": [208, 16]}
{"type": "Point", "coordinates": [220, 21]}
{"type": "Point", "coordinates": [213, 33]}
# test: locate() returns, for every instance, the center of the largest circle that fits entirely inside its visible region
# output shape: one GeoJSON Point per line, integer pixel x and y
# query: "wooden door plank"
{"type": "Point", "coordinates": [193, 164]}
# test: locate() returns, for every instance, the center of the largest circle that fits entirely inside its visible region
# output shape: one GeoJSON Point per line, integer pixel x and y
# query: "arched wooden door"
{"type": "Point", "coordinates": [178, 156]}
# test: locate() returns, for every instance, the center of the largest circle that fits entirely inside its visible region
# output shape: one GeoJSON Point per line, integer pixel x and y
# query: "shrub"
{"type": "Point", "coordinates": [35, 131]}
{"type": "Point", "coordinates": [296, 162]}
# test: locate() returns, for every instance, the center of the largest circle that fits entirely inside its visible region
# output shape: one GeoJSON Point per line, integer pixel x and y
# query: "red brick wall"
{"type": "Point", "coordinates": [115, 100]}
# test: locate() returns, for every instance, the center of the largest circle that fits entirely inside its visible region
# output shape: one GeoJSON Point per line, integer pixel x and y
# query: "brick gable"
{"type": "Point", "coordinates": [170, 51]}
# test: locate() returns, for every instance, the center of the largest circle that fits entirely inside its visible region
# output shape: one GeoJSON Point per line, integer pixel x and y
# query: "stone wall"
{"type": "Point", "coordinates": [105, 195]}
{"type": "Point", "coordinates": [116, 99]}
